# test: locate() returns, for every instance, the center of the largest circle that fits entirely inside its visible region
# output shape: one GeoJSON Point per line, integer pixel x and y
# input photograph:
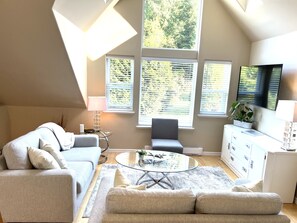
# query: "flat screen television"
{"type": "Point", "coordinates": [259, 85]}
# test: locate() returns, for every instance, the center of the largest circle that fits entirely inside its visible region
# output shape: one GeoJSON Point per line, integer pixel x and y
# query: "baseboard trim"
{"type": "Point", "coordinates": [204, 153]}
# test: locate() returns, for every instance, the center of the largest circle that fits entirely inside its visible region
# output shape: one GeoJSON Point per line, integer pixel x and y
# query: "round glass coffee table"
{"type": "Point", "coordinates": [157, 163]}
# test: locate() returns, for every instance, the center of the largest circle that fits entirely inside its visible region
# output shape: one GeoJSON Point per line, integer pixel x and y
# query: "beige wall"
{"type": "Point", "coordinates": [281, 49]}
{"type": "Point", "coordinates": [221, 39]}
{"type": "Point", "coordinates": [4, 126]}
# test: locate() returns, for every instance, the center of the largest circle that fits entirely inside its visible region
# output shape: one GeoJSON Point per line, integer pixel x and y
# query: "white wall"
{"type": "Point", "coordinates": [280, 50]}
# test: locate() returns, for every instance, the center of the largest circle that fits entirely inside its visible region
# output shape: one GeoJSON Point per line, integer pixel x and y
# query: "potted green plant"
{"type": "Point", "coordinates": [241, 114]}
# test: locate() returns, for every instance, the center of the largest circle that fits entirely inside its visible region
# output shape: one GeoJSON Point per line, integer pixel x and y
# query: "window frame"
{"type": "Point", "coordinates": [225, 91]}
{"type": "Point", "coordinates": [193, 92]}
{"type": "Point", "coordinates": [185, 55]}
{"type": "Point", "coordinates": [108, 85]}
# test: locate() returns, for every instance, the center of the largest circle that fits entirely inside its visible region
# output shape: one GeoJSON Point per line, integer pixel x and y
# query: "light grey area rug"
{"type": "Point", "coordinates": [201, 178]}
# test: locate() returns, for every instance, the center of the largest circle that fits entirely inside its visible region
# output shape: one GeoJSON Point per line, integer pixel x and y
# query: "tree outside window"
{"type": "Point", "coordinates": [167, 91]}
{"type": "Point", "coordinates": [170, 24]}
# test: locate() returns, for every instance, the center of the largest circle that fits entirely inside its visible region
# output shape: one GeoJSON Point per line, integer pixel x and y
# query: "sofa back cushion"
{"type": "Point", "coordinates": [125, 201]}
{"type": "Point", "coordinates": [238, 203]}
{"type": "Point", "coordinates": [16, 151]}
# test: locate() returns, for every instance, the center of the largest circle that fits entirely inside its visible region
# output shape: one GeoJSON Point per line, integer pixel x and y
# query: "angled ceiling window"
{"type": "Point", "coordinates": [89, 29]}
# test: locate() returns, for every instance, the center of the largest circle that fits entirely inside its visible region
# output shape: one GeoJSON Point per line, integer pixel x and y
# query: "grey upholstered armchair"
{"type": "Point", "coordinates": [165, 135]}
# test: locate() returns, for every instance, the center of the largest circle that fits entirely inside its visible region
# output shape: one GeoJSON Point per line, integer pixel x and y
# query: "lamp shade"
{"type": "Point", "coordinates": [287, 110]}
{"type": "Point", "coordinates": [96, 103]}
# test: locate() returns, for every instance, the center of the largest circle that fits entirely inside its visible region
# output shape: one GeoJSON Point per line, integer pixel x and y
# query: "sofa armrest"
{"type": "Point", "coordinates": [88, 140]}
{"type": "Point", "coordinates": [37, 195]}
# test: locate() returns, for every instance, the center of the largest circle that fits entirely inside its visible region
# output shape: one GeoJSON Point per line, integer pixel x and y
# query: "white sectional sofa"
{"type": "Point", "coordinates": [28, 194]}
{"type": "Point", "coordinates": [121, 205]}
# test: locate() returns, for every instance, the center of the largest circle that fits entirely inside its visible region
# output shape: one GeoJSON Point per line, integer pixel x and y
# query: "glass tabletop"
{"type": "Point", "coordinates": [157, 161]}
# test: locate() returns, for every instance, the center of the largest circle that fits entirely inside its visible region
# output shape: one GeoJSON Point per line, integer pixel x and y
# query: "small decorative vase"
{"type": "Point", "coordinates": [141, 160]}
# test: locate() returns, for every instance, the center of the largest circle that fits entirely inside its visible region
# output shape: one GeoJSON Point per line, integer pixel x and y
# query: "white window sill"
{"type": "Point", "coordinates": [212, 116]}
{"type": "Point", "coordinates": [149, 126]}
{"type": "Point", "coordinates": [119, 112]}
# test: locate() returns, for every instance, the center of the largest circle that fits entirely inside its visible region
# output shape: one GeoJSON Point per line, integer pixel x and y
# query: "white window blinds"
{"type": "Point", "coordinates": [167, 90]}
{"type": "Point", "coordinates": [119, 83]}
{"type": "Point", "coordinates": [215, 87]}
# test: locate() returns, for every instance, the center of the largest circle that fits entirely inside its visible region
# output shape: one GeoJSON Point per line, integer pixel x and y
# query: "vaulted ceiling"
{"type": "Point", "coordinates": [263, 19]}
{"type": "Point", "coordinates": [35, 69]}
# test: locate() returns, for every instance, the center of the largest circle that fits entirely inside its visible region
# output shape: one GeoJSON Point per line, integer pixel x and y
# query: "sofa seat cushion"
{"type": "Point", "coordinates": [245, 203]}
{"type": "Point", "coordinates": [156, 201]}
{"type": "Point", "coordinates": [88, 154]}
{"type": "Point", "coordinates": [83, 172]}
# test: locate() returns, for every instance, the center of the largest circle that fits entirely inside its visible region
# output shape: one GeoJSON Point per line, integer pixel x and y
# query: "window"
{"type": "Point", "coordinates": [167, 90]}
{"type": "Point", "coordinates": [169, 60]}
{"type": "Point", "coordinates": [170, 24]}
{"type": "Point", "coordinates": [119, 83]}
{"type": "Point", "coordinates": [215, 87]}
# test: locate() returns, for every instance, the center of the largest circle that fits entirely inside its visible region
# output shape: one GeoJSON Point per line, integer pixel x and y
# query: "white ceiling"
{"type": "Point", "coordinates": [269, 18]}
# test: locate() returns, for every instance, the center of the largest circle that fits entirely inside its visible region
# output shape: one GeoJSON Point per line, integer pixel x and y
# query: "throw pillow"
{"type": "Point", "coordinates": [55, 153]}
{"type": "Point", "coordinates": [41, 159]}
{"type": "Point", "coordinates": [122, 181]}
{"type": "Point", "coordinates": [249, 187]}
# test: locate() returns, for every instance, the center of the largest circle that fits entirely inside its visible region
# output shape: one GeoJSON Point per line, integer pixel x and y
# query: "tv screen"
{"type": "Point", "coordinates": [259, 85]}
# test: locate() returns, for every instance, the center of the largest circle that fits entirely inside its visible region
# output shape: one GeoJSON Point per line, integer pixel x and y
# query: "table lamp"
{"type": "Point", "coordinates": [287, 110]}
{"type": "Point", "coordinates": [97, 104]}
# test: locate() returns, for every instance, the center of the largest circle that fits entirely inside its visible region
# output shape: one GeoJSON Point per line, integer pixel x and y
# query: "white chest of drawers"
{"type": "Point", "coordinates": [253, 155]}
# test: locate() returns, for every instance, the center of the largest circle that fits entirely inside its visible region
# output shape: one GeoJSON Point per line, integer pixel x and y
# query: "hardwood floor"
{"type": "Point", "coordinates": [289, 209]}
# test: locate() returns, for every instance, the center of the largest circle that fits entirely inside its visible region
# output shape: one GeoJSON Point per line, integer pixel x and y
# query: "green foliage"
{"type": "Point", "coordinates": [166, 88]}
{"type": "Point", "coordinates": [170, 24]}
{"type": "Point", "coordinates": [241, 112]}
{"type": "Point", "coordinates": [141, 152]}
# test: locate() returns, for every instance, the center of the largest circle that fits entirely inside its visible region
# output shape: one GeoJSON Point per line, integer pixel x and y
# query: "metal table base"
{"type": "Point", "coordinates": [159, 181]}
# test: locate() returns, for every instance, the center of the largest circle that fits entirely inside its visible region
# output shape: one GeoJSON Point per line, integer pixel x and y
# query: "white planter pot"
{"type": "Point", "coordinates": [246, 125]}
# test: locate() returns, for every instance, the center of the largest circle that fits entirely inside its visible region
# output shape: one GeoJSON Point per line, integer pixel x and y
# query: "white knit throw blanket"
{"type": "Point", "coordinates": [66, 139]}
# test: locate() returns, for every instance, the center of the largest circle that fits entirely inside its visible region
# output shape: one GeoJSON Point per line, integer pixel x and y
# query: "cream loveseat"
{"type": "Point", "coordinates": [46, 195]}
{"type": "Point", "coordinates": [121, 205]}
